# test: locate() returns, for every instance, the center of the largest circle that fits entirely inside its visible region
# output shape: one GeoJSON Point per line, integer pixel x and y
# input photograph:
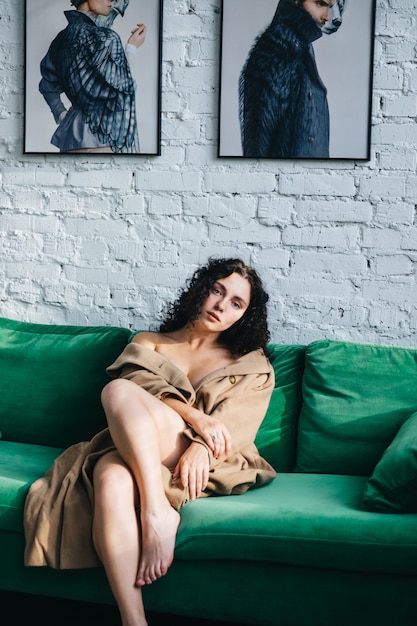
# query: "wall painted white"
{"type": "Point", "coordinates": [93, 240]}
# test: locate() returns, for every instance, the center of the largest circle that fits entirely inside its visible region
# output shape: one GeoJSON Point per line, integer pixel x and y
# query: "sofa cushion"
{"type": "Point", "coordinates": [20, 465]}
{"type": "Point", "coordinates": [51, 379]}
{"type": "Point", "coordinates": [277, 435]}
{"type": "Point", "coordinates": [355, 398]}
{"type": "Point", "coordinates": [312, 520]}
{"type": "Point", "coordinates": [393, 485]}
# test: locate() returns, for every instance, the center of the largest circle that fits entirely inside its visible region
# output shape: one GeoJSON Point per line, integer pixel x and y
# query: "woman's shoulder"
{"type": "Point", "coordinates": [142, 352]}
{"type": "Point", "coordinates": [147, 339]}
{"type": "Point", "coordinates": [155, 339]}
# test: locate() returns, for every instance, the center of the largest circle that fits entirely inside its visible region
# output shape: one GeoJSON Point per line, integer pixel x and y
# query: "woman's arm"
{"type": "Point", "coordinates": [204, 425]}
{"type": "Point", "coordinates": [51, 89]}
{"type": "Point", "coordinates": [213, 431]}
{"type": "Point", "coordinates": [241, 412]}
{"type": "Point", "coordinates": [239, 415]}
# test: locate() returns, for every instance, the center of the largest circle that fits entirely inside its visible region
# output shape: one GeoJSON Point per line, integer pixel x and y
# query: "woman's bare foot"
{"type": "Point", "coordinates": [158, 534]}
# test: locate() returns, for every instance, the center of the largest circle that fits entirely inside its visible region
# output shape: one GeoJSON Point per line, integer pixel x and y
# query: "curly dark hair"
{"type": "Point", "coordinates": [249, 333]}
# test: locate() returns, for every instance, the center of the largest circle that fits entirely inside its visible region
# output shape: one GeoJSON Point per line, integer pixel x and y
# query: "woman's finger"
{"type": "Point", "coordinates": [191, 489]}
{"type": "Point", "coordinates": [221, 443]}
{"type": "Point", "coordinates": [205, 478]}
{"type": "Point", "coordinates": [198, 484]}
{"type": "Point", "coordinates": [216, 438]}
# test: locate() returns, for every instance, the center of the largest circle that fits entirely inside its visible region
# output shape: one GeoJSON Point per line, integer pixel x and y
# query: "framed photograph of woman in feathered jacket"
{"type": "Point", "coordinates": [296, 79]}
{"type": "Point", "coordinates": [93, 76]}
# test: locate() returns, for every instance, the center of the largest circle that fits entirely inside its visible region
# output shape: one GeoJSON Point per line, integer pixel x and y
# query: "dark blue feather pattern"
{"type": "Point", "coordinates": [92, 69]}
{"type": "Point", "coordinates": [283, 102]}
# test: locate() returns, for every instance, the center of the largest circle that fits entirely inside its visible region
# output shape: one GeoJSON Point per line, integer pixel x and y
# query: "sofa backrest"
{"type": "Point", "coordinates": [355, 398]}
{"type": "Point", "coordinates": [276, 439]}
{"type": "Point", "coordinates": [51, 378]}
{"type": "Point", "coordinates": [335, 408]}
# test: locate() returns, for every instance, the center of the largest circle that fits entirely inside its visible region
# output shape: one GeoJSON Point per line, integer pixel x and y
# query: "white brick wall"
{"type": "Point", "coordinates": [92, 240]}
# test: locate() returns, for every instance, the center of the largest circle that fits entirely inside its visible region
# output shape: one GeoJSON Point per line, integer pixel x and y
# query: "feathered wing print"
{"type": "Point", "coordinates": [268, 93]}
{"type": "Point", "coordinates": [89, 65]}
{"type": "Point", "coordinates": [283, 107]}
{"type": "Point", "coordinates": [100, 83]}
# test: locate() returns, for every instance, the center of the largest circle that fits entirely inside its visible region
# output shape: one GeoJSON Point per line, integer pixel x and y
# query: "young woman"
{"type": "Point", "coordinates": [183, 412]}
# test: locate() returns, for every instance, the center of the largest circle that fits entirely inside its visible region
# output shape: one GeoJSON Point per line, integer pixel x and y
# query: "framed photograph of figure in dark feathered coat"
{"type": "Point", "coordinates": [296, 79]}
{"type": "Point", "coordinates": [92, 76]}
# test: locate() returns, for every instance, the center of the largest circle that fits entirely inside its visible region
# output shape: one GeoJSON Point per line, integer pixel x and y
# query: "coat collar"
{"type": "Point", "coordinates": [298, 19]}
{"type": "Point", "coordinates": [78, 16]}
{"type": "Point", "coordinates": [254, 362]}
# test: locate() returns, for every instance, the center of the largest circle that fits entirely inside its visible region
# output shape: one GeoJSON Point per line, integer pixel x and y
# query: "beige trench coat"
{"type": "Point", "coordinates": [59, 506]}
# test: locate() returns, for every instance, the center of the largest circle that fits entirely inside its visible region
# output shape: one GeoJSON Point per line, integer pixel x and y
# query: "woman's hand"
{"type": "Point", "coordinates": [214, 433]}
{"type": "Point", "coordinates": [137, 36]}
{"type": "Point", "coordinates": [212, 430]}
{"type": "Point", "coordinates": [193, 469]}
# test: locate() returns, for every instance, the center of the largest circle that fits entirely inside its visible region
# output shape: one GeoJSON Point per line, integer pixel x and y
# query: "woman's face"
{"type": "Point", "coordinates": [99, 7]}
{"type": "Point", "coordinates": [226, 303]}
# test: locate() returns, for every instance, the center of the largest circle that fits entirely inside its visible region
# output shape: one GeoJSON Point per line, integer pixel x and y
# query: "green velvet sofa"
{"type": "Point", "coordinates": [332, 541]}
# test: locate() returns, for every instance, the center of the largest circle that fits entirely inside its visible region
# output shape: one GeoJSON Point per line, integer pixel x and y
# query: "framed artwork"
{"type": "Point", "coordinates": [296, 79]}
{"type": "Point", "coordinates": [92, 81]}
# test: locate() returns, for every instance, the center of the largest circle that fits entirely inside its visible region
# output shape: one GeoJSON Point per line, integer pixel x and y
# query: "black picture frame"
{"type": "Point", "coordinates": [44, 19]}
{"type": "Point", "coordinates": [345, 65]}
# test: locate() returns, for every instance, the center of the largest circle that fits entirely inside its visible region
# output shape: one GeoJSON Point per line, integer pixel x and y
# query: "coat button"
{"type": "Point", "coordinates": [232, 380]}
{"type": "Point", "coordinates": [310, 139]}
{"type": "Point", "coordinates": [310, 95]}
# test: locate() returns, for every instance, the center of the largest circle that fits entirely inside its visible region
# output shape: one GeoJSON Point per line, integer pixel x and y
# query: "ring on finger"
{"type": "Point", "coordinates": [214, 437]}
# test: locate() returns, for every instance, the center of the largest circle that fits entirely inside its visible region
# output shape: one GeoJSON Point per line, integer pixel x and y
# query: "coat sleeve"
{"type": "Point", "coordinates": [242, 410]}
{"type": "Point", "coordinates": [50, 87]}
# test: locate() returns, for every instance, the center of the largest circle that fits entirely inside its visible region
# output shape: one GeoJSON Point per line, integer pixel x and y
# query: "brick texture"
{"type": "Point", "coordinates": [93, 240]}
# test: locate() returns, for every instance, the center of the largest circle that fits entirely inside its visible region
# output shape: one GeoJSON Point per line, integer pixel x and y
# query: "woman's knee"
{"type": "Point", "coordinates": [113, 480]}
{"type": "Point", "coordinates": [115, 391]}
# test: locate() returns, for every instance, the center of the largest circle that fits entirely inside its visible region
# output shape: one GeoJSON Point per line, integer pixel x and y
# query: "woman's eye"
{"type": "Point", "coordinates": [236, 305]}
{"type": "Point", "coordinates": [216, 291]}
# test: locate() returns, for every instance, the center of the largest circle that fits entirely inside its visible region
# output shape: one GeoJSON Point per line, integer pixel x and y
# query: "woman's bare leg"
{"type": "Point", "coordinates": [116, 534]}
{"type": "Point", "coordinates": [147, 433]}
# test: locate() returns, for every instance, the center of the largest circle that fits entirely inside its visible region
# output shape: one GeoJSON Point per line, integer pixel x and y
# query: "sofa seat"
{"type": "Point", "coordinates": [20, 465]}
{"type": "Point", "coordinates": [310, 520]}
{"type": "Point", "coordinates": [313, 520]}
